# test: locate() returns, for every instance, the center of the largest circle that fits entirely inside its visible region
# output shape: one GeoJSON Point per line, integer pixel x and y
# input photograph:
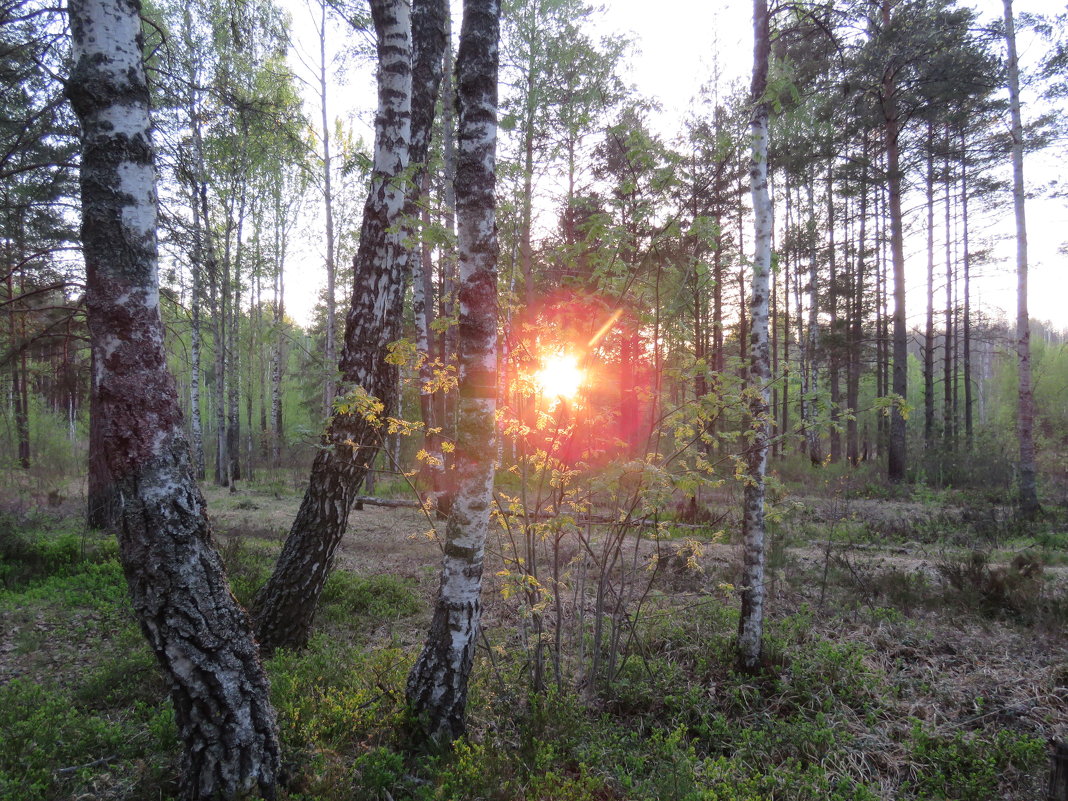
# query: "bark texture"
{"type": "Point", "coordinates": [437, 685]}
{"type": "Point", "coordinates": [1025, 411]}
{"type": "Point", "coordinates": [285, 607]}
{"type": "Point", "coordinates": [751, 620]}
{"type": "Point", "coordinates": [199, 633]}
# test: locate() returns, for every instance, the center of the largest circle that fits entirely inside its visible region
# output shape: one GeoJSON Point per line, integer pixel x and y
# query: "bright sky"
{"type": "Point", "coordinates": [676, 42]}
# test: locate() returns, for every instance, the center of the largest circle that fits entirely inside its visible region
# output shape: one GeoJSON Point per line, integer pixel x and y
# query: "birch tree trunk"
{"type": "Point", "coordinates": [1025, 412]}
{"type": "Point", "coordinates": [447, 402]}
{"type": "Point", "coordinates": [751, 619]}
{"type": "Point", "coordinates": [199, 238]}
{"type": "Point", "coordinates": [277, 432]}
{"type": "Point", "coordinates": [437, 685]}
{"type": "Point", "coordinates": [199, 633]}
{"type": "Point", "coordinates": [285, 607]}
{"type": "Point", "coordinates": [428, 50]}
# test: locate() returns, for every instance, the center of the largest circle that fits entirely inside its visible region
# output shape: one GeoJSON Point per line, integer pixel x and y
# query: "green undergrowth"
{"type": "Point", "coordinates": [84, 712]}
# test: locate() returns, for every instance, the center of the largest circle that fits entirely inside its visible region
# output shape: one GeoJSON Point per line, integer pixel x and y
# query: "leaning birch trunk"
{"type": "Point", "coordinates": [285, 607]}
{"type": "Point", "coordinates": [751, 620]}
{"type": "Point", "coordinates": [437, 685]}
{"type": "Point", "coordinates": [1025, 414]}
{"type": "Point", "coordinates": [199, 633]}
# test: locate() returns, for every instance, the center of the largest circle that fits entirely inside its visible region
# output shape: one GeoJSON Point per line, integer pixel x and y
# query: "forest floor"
{"type": "Point", "coordinates": [915, 649]}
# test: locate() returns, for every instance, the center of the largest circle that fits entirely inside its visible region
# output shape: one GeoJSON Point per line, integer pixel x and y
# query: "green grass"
{"type": "Point", "coordinates": [674, 721]}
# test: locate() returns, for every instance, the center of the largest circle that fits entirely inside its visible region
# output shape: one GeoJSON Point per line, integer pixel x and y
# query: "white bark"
{"type": "Point", "coordinates": [437, 685]}
{"type": "Point", "coordinates": [178, 589]}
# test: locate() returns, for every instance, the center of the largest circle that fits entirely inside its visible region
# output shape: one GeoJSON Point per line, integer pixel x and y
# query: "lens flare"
{"type": "Point", "coordinates": [560, 376]}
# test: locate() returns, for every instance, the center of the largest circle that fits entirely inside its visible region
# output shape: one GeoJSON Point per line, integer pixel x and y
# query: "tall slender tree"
{"type": "Point", "coordinates": [285, 606]}
{"type": "Point", "coordinates": [437, 685]}
{"type": "Point", "coordinates": [751, 619]}
{"type": "Point", "coordinates": [1025, 411]}
{"type": "Point", "coordinates": [200, 635]}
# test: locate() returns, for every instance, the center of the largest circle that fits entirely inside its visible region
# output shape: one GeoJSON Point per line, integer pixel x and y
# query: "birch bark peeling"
{"type": "Point", "coordinates": [198, 632]}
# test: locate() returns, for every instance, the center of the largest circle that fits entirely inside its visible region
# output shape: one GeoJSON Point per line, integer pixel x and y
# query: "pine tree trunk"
{"type": "Point", "coordinates": [19, 397]}
{"type": "Point", "coordinates": [219, 296]}
{"type": "Point", "coordinates": [199, 634]}
{"type": "Point", "coordinates": [891, 132]}
{"type": "Point", "coordinates": [751, 619]}
{"type": "Point", "coordinates": [196, 427]}
{"type": "Point", "coordinates": [834, 357]}
{"type": "Point", "coordinates": [233, 360]}
{"type": "Point", "coordinates": [1025, 413]}
{"type": "Point", "coordinates": [437, 685]}
{"type": "Point", "coordinates": [929, 333]}
{"type": "Point", "coordinates": [277, 368]}
{"type": "Point", "coordinates": [951, 340]}
{"type": "Point", "coordinates": [856, 325]}
{"type": "Point", "coordinates": [812, 342]}
{"type": "Point", "coordinates": [966, 323]}
{"type": "Point", "coordinates": [277, 431]}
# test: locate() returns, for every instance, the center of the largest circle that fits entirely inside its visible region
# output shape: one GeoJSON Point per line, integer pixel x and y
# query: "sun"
{"type": "Point", "coordinates": [560, 376]}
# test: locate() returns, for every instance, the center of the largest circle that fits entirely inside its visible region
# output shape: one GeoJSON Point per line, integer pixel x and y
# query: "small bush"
{"type": "Point", "coordinates": [29, 553]}
{"type": "Point", "coordinates": [995, 589]}
{"type": "Point", "coordinates": [968, 769]}
{"type": "Point", "coordinates": [54, 749]}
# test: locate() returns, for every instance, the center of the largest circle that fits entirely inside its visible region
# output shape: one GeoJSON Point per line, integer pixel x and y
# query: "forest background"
{"type": "Point", "coordinates": [625, 247]}
{"type": "Point", "coordinates": [588, 138]}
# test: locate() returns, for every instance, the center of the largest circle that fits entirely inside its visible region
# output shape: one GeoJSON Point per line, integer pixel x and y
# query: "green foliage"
{"type": "Point", "coordinates": [968, 768]}
{"type": "Point", "coordinates": [247, 568]}
{"type": "Point", "coordinates": [348, 597]}
{"type": "Point", "coordinates": [54, 748]}
{"type": "Point", "coordinates": [334, 699]}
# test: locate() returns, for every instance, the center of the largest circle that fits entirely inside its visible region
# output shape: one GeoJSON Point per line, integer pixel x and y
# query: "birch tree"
{"type": "Point", "coordinates": [437, 685]}
{"type": "Point", "coordinates": [198, 632]}
{"type": "Point", "coordinates": [751, 620]}
{"type": "Point", "coordinates": [285, 607]}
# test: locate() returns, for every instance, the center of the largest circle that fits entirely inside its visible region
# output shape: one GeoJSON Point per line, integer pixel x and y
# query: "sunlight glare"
{"type": "Point", "coordinates": [560, 376]}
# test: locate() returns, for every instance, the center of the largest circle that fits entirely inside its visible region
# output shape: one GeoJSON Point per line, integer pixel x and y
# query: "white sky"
{"type": "Point", "coordinates": [676, 42]}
